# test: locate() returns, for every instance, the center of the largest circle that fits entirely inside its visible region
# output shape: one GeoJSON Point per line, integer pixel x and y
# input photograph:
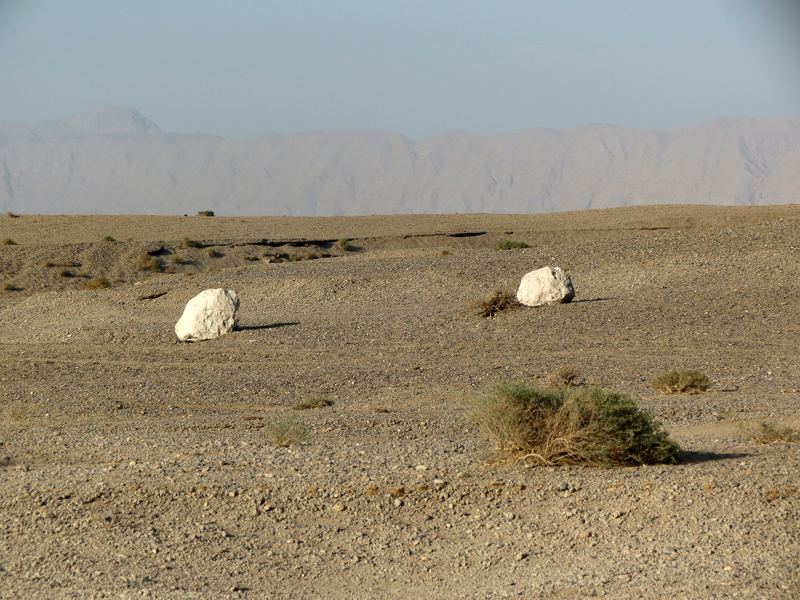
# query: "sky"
{"type": "Point", "coordinates": [247, 68]}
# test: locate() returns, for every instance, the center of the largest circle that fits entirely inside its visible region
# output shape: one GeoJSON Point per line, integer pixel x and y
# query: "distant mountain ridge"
{"type": "Point", "coordinates": [116, 161]}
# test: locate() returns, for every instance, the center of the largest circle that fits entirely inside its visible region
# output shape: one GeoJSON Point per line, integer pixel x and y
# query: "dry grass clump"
{"type": "Point", "coordinates": [205, 213]}
{"type": "Point", "coordinates": [145, 262]}
{"type": "Point", "coordinates": [211, 253]}
{"type": "Point", "coordinates": [98, 283]}
{"type": "Point", "coordinates": [497, 302]}
{"type": "Point", "coordinates": [681, 381]}
{"type": "Point", "coordinates": [8, 242]}
{"type": "Point", "coordinates": [11, 215]}
{"type": "Point", "coordinates": [108, 238]}
{"type": "Point", "coordinates": [344, 245]}
{"type": "Point", "coordinates": [286, 432]}
{"type": "Point", "coordinates": [9, 287]}
{"type": "Point", "coordinates": [770, 432]}
{"type": "Point", "coordinates": [569, 426]}
{"type": "Point", "coordinates": [510, 245]}
{"type": "Point", "coordinates": [313, 402]}
{"type": "Point", "coordinates": [189, 243]}
{"type": "Point", "coordinates": [565, 376]}
{"type": "Point", "coordinates": [177, 259]}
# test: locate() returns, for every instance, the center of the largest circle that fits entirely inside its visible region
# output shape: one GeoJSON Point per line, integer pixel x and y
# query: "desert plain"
{"type": "Point", "coordinates": [136, 466]}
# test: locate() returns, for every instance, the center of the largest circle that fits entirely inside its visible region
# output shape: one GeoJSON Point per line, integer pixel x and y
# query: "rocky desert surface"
{"type": "Point", "coordinates": [135, 466]}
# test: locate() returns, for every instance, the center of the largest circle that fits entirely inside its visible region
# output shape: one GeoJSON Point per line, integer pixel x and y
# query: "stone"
{"type": "Point", "coordinates": [545, 285]}
{"type": "Point", "coordinates": [208, 315]}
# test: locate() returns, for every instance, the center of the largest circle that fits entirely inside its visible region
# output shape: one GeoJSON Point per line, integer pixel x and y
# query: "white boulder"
{"type": "Point", "coordinates": [208, 315]}
{"type": "Point", "coordinates": [545, 285]}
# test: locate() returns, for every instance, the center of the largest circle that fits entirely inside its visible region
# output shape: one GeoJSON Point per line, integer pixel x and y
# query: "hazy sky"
{"type": "Point", "coordinates": [245, 68]}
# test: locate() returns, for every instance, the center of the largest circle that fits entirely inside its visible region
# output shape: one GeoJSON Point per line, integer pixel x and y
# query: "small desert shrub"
{"type": "Point", "coordinates": [145, 262]}
{"type": "Point", "coordinates": [9, 287]}
{"type": "Point", "coordinates": [189, 243]}
{"type": "Point", "coordinates": [287, 432]}
{"type": "Point", "coordinates": [9, 242]}
{"type": "Point", "coordinates": [65, 273]}
{"type": "Point", "coordinates": [211, 253]}
{"type": "Point", "coordinates": [444, 252]}
{"type": "Point", "coordinates": [510, 245]}
{"type": "Point", "coordinates": [11, 215]}
{"type": "Point", "coordinates": [565, 376]}
{"type": "Point", "coordinates": [498, 301]}
{"type": "Point", "coordinates": [176, 259]}
{"type": "Point", "coordinates": [681, 381]}
{"type": "Point", "coordinates": [344, 245]}
{"type": "Point", "coordinates": [569, 426]}
{"type": "Point", "coordinates": [769, 432]}
{"type": "Point", "coordinates": [98, 283]}
{"type": "Point", "coordinates": [48, 264]}
{"type": "Point", "coordinates": [313, 402]}
{"type": "Point", "coordinates": [205, 213]}
{"type": "Point", "coordinates": [108, 238]}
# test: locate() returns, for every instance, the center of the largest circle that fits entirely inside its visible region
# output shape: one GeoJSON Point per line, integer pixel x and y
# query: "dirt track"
{"type": "Point", "coordinates": [132, 465]}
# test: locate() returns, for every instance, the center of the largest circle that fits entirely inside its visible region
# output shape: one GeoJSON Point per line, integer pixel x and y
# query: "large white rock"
{"type": "Point", "coordinates": [545, 285]}
{"type": "Point", "coordinates": [208, 315]}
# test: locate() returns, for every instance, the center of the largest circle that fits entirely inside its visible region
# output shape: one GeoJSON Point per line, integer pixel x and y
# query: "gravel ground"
{"type": "Point", "coordinates": [134, 466]}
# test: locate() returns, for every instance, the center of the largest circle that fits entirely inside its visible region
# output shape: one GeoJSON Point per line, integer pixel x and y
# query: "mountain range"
{"type": "Point", "coordinates": [116, 161]}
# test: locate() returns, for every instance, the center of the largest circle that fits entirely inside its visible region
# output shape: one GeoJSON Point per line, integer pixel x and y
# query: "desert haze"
{"type": "Point", "coordinates": [132, 465]}
{"type": "Point", "coordinates": [115, 161]}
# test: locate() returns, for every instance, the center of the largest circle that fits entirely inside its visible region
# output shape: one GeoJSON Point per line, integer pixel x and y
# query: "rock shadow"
{"type": "Point", "coordinates": [261, 327]}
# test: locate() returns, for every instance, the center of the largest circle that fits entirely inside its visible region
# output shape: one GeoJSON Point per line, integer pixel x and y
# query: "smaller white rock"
{"type": "Point", "coordinates": [208, 315]}
{"type": "Point", "coordinates": [545, 285]}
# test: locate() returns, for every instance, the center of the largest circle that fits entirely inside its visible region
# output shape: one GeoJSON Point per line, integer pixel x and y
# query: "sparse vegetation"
{"type": "Point", "coordinates": [211, 253]}
{"type": "Point", "coordinates": [11, 215]}
{"type": "Point", "coordinates": [205, 213]}
{"type": "Point", "coordinates": [177, 259]}
{"type": "Point", "coordinates": [498, 301]}
{"type": "Point", "coordinates": [108, 238]}
{"type": "Point", "coordinates": [313, 402]}
{"type": "Point", "coordinates": [444, 252]}
{"type": "Point", "coordinates": [287, 432]}
{"type": "Point", "coordinates": [510, 245]}
{"type": "Point", "coordinates": [48, 264]}
{"type": "Point", "coordinates": [145, 262]}
{"type": "Point", "coordinates": [681, 381]}
{"type": "Point", "coordinates": [98, 283]}
{"type": "Point", "coordinates": [9, 287]}
{"type": "Point", "coordinates": [8, 242]}
{"type": "Point", "coordinates": [189, 243]}
{"type": "Point", "coordinates": [344, 245]}
{"type": "Point", "coordinates": [64, 272]}
{"type": "Point", "coordinates": [770, 432]}
{"type": "Point", "coordinates": [569, 426]}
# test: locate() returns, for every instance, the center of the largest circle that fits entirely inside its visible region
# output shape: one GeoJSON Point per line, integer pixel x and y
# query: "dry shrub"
{"type": "Point", "coordinates": [287, 432]}
{"type": "Point", "coordinates": [8, 242]}
{"type": "Point", "coordinates": [510, 245]}
{"type": "Point", "coordinates": [12, 215]}
{"type": "Point", "coordinates": [108, 238]}
{"type": "Point", "coordinates": [344, 245]}
{"type": "Point", "coordinates": [205, 213]}
{"type": "Point", "coordinates": [497, 302]}
{"type": "Point", "coordinates": [770, 432]}
{"type": "Point", "coordinates": [189, 243]}
{"type": "Point", "coordinates": [313, 402]}
{"type": "Point", "coordinates": [145, 262]}
{"type": "Point", "coordinates": [565, 376]}
{"type": "Point", "coordinates": [681, 381]}
{"type": "Point", "coordinates": [569, 426]}
{"type": "Point", "coordinates": [98, 283]}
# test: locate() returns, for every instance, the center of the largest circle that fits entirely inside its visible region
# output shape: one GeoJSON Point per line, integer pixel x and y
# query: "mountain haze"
{"type": "Point", "coordinates": [116, 161]}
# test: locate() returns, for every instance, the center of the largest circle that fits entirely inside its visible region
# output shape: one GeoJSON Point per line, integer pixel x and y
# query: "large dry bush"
{"type": "Point", "coordinates": [569, 426]}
